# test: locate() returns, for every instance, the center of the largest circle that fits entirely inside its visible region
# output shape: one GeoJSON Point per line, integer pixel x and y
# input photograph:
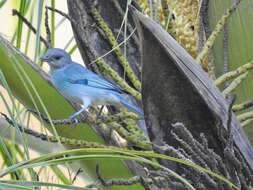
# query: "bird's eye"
{"type": "Point", "coordinates": [57, 57]}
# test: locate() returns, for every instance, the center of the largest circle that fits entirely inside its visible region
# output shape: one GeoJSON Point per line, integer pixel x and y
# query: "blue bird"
{"type": "Point", "coordinates": [82, 86]}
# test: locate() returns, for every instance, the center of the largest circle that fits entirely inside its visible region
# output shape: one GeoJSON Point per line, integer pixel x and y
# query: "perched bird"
{"type": "Point", "coordinates": [82, 86]}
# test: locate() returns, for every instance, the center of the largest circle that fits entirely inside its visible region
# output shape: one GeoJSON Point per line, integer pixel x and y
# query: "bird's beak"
{"type": "Point", "coordinates": [44, 58]}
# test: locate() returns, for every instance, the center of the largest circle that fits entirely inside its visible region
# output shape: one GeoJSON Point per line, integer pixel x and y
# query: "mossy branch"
{"type": "Point", "coordinates": [246, 122]}
{"type": "Point", "coordinates": [112, 40]}
{"type": "Point", "coordinates": [234, 84]}
{"type": "Point", "coordinates": [245, 116]}
{"type": "Point", "coordinates": [132, 139]}
{"type": "Point", "coordinates": [233, 74]}
{"type": "Point", "coordinates": [107, 70]}
{"type": "Point", "coordinates": [115, 122]}
{"type": "Point", "coordinates": [128, 135]}
{"type": "Point", "coordinates": [243, 106]}
{"type": "Point", "coordinates": [53, 139]}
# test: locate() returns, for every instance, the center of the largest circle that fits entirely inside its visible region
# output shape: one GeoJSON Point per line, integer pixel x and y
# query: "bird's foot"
{"type": "Point", "coordinates": [74, 121]}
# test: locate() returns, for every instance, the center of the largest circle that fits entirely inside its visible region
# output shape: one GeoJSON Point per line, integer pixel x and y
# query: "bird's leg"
{"type": "Point", "coordinates": [86, 104]}
{"type": "Point", "coordinates": [73, 117]}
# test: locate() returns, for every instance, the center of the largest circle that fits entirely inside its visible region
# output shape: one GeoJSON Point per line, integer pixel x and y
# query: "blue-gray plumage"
{"type": "Point", "coordinates": [83, 86]}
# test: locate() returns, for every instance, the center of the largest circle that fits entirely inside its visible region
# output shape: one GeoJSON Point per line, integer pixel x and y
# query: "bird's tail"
{"type": "Point", "coordinates": [130, 106]}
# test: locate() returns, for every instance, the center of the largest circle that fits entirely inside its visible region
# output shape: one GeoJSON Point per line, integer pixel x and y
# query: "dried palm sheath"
{"type": "Point", "coordinates": [176, 89]}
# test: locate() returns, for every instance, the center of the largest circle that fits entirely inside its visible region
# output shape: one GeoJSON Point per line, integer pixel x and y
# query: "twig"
{"type": "Point", "coordinates": [129, 26]}
{"type": "Point", "coordinates": [152, 180]}
{"type": "Point", "coordinates": [245, 116]}
{"type": "Point", "coordinates": [233, 74]}
{"type": "Point", "coordinates": [80, 170]}
{"type": "Point", "coordinates": [243, 106]}
{"type": "Point", "coordinates": [234, 84]}
{"type": "Point", "coordinates": [29, 25]}
{"type": "Point", "coordinates": [52, 139]}
{"type": "Point", "coordinates": [113, 42]}
{"type": "Point", "coordinates": [107, 70]}
{"type": "Point", "coordinates": [204, 17]}
{"type": "Point", "coordinates": [225, 51]}
{"type": "Point", "coordinates": [111, 182]}
{"type": "Point", "coordinates": [89, 118]}
{"type": "Point", "coordinates": [56, 121]}
{"type": "Point", "coordinates": [246, 122]}
{"type": "Point", "coordinates": [47, 28]}
{"type": "Point", "coordinates": [116, 122]}
{"type": "Point", "coordinates": [62, 14]}
{"type": "Point", "coordinates": [205, 32]}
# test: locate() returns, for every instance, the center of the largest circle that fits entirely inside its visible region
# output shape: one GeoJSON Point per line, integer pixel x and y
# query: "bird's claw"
{"type": "Point", "coordinates": [74, 121]}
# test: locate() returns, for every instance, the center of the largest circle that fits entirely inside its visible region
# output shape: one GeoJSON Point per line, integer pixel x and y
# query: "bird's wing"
{"type": "Point", "coordinates": [77, 74]}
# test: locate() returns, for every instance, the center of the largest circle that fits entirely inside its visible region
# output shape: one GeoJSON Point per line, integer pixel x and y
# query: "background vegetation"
{"type": "Point", "coordinates": [53, 161]}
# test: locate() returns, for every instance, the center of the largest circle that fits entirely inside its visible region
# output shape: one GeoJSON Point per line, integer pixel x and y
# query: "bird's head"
{"type": "Point", "coordinates": [56, 58]}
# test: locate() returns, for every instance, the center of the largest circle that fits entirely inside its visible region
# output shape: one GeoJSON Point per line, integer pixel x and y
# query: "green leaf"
{"type": "Point", "coordinates": [109, 153]}
{"type": "Point", "coordinates": [61, 175]}
{"type": "Point", "coordinates": [240, 45]}
{"type": "Point", "coordinates": [20, 23]}
{"type": "Point", "coordinates": [13, 186]}
{"type": "Point", "coordinates": [27, 184]}
{"type": "Point", "coordinates": [39, 19]}
{"type": "Point", "coordinates": [33, 91]}
{"type": "Point", "coordinates": [52, 24]}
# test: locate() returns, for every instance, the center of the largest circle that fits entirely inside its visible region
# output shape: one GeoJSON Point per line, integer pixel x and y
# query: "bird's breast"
{"type": "Point", "coordinates": [68, 90]}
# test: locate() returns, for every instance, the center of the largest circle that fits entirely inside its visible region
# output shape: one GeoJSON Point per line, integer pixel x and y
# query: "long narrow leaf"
{"type": "Point", "coordinates": [13, 186]}
{"type": "Point", "coordinates": [39, 19]}
{"type": "Point", "coordinates": [20, 23]}
{"type": "Point", "coordinates": [52, 24]}
{"type": "Point", "coordinates": [26, 184]}
{"type": "Point", "coordinates": [95, 153]}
